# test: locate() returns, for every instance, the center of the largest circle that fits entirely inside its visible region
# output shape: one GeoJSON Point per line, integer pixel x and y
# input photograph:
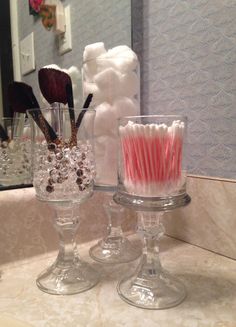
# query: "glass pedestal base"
{"type": "Point", "coordinates": [67, 280]}
{"type": "Point", "coordinates": [160, 291]}
{"type": "Point", "coordinates": [111, 250]}
{"type": "Point", "coordinates": [114, 248]}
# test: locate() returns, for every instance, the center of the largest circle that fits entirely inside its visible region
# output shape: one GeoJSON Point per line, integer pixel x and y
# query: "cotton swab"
{"type": "Point", "coordinates": [152, 157]}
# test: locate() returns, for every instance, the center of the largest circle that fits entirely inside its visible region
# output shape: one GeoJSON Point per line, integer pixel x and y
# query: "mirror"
{"type": "Point", "coordinates": [92, 21]}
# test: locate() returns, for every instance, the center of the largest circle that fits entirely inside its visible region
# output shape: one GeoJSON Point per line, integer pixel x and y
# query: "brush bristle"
{"type": "Point", "coordinates": [21, 97]}
{"type": "Point", "coordinates": [52, 83]}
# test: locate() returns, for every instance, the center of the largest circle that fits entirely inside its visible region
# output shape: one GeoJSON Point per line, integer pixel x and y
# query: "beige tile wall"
{"type": "Point", "coordinates": [210, 219]}
{"type": "Point", "coordinates": [26, 225]}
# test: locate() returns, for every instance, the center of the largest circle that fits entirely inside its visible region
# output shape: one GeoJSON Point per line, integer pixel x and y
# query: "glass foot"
{"type": "Point", "coordinates": [111, 250]}
{"type": "Point", "coordinates": [67, 280]}
{"type": "Point", "coordinates": [161, 291]}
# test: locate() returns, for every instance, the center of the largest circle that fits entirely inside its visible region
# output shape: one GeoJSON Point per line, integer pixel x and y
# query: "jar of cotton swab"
{"type": "Point", "coordinates": [152, 180]}
{"type": "Point", "coordinates": [152, 165]}
{"type": "Point", "coordinates": [112, 76]}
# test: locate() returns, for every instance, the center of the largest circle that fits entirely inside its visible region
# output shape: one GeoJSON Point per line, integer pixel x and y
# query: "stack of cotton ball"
{"type": "Point", "coordinates": [113, 78]}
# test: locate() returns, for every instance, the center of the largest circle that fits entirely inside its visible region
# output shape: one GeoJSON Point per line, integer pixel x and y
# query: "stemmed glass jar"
{"type": "Point", "coordinates": [63, 177]}
{"type": "Point", "coordinates": [113, 78]}
{"type": "Point", "coordinates": [152, 180]}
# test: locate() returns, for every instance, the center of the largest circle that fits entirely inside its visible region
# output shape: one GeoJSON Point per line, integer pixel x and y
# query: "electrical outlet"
{"type": "Point", "coordinates": [65, 43]}
{"type": "Point", "coordinates": [27, 57]}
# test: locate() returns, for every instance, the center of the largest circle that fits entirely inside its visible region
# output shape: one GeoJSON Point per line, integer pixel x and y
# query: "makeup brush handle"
{"type": "Point", "coordinates": [79, 120]}
{"type": "Point", "coordinates": [3, 135]}
{"type": "Point", "coordinates": [70, 102]}
{"type": "Point", "coordinates": [50, 135]}
{"type": "Point", "coordinates": [85, 106]}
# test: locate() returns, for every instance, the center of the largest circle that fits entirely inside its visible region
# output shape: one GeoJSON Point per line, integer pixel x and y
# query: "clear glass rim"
{"type": "Point", "coordinates": [90, 109]}
{"type": "Point", "coordinates": [184, 117]}
{"type": "Point", "coordinates": [106, 58]}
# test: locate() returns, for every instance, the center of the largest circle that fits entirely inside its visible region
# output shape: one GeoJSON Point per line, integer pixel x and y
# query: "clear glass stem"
{"type": "Point", "coordinates": [114, 231]}
{"type": "Point", "coordinates": [66, 224]}
{"type": "Point", "coordinates": [150, 286]}
{"type": "Point", "coordinates": [114, 247]}
{"type": "Point", "coordinates": [68, 274]}
{"type": "Point", "coordinates": [151, 229]}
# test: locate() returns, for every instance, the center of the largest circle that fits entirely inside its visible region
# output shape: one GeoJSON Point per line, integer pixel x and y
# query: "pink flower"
{"type": "Point", "coordinates": [35, 4]}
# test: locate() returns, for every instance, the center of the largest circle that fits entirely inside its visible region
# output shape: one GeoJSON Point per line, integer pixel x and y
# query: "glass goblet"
{"type": "Point", "coordinates": [114, 247]}
{"type": "Point", "coordinates": [63, 174]}
{"type": "Point", "coordinates": [15, 165]}
{"type": "Point", "coordinates": [152, 180]}
{"type": "Point", "coordinates": [114, 80]}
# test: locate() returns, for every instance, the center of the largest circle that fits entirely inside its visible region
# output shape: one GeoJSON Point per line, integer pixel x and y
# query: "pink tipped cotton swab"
{"type": "Point", "coordinates": [152, 157]}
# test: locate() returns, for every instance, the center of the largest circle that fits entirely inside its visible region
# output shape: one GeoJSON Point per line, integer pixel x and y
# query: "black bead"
{"type": "Point", "coordinates": [79, 172]}
{"type": "Point", "coordinates": [50, 188]}
{"type": "Point", "coordinates": [79, 181]}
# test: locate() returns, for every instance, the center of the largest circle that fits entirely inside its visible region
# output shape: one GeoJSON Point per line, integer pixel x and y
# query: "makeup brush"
{"type": "Point", "coordinates": [56, 87]}
{"type": "Point", "coordinates": [3, 135]}
{"type": "Point", "coordinates": [70, 102]}
{"type": "Point", "coordinates": [22, 98]}
{"type": "Point", "coordinates": [52, 83]}
{"type": "Point", "coordinates": [18, 118]}
{"type": "Point", "coordinates": [85, 106]}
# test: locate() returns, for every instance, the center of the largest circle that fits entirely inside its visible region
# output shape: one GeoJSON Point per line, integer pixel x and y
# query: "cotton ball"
{"type": "Point", "coordinates": [76, 94]}
{"type": "Point", "coordinates": [125, 58]}
{"type": "Point", "coordinates": [89, 88]}
{"type": "Point", "coordinates": [126, 63]}
{"type": "Point", "coordinates": [108, 81]}
{"type": "Point", "coordinates": [103, 62]}
{"type": "Point", "coordinates": [75, 76]}
{"type": "Point", "coordinates": [118, 50]}
{"type": "Point", "coordinates": [74, 72]}
{"type": "Point", "coordinates": [100, 145]}
{"type": "Point", "coordinates": [124, 106]}
{"type": "Point", "coordinates": [92, 51]}
{"type": "Point", "coordinates": [105, 120]}
{"type": "Point", "coordinates": [107, 77]}
{"type": "Point", "coordinates": [129, 84]}
{"type": "Point", "coordinates": [106, 149]}
{"type": "Point", "coordinates": [89, 70]}
{"type": "Point", "coordinates": [53, 66]}
{"type": "Point", "coordinates": [98, 96]}
{"type": "Point", "coordinates": [87, 124]}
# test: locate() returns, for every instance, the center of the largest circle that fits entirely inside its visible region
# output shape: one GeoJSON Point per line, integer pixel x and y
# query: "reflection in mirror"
{"type": "Point", "coordinates": [15, 152]}
{"type": "Point", "coordinates": [108, 21]}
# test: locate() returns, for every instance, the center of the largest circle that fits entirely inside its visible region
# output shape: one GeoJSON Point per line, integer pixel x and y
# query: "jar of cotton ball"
{"type": "Point", "coordinates": [113, 77]}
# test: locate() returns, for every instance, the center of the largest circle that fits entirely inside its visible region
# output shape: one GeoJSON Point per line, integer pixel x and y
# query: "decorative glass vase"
{"type": "Point", "coordinates": [113, 79]}
{"type": "Point", "coordinates": [152, 180]}
{"type": "Point", "coordinates": [63, 176]}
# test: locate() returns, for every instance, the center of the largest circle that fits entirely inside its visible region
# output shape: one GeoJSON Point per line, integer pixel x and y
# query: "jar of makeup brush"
{"type": "Point", "coordinates": [15, 152]}
{"type": "Point", "coordinates": [113, 77]}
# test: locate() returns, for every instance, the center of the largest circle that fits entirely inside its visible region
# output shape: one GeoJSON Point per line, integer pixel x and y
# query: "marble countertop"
{"type": "Point", "coordinates": [210, 280]}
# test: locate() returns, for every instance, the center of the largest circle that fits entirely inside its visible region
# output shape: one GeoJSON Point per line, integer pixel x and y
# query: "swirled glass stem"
{"type": "Point", "coordinates": [150, 286]}
{"type": "Point", "coordinates": [66, 224]}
